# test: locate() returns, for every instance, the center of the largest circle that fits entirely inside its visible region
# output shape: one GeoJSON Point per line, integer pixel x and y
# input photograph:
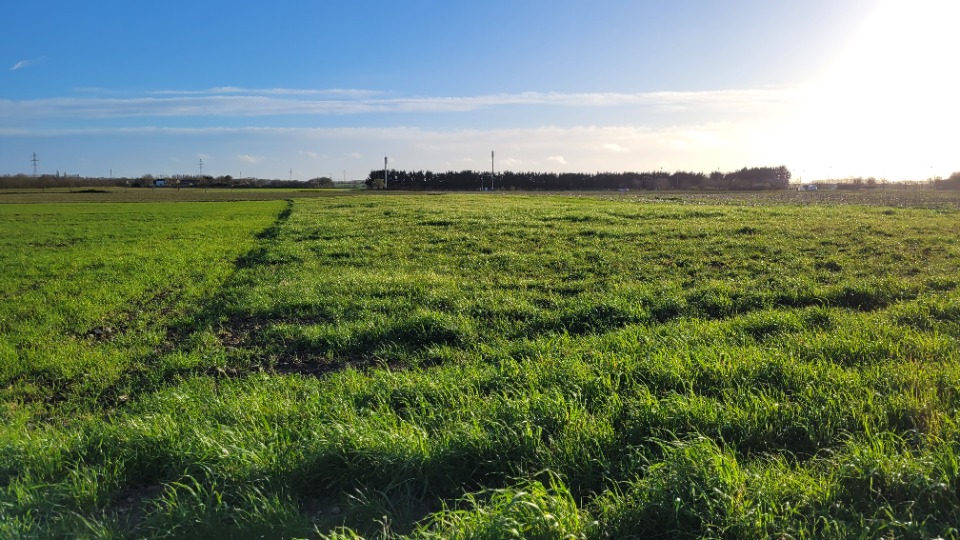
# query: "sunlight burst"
{"type": "Point", "coordinates": [887, 106]}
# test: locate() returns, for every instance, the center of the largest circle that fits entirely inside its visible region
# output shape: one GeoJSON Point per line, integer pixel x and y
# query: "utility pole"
{"type": "Point", "coordinates": [491, 170]}
{"type": "Point", "coordinates": [36, 167]}
{"type": "Point", "coordinates": [384, 172]}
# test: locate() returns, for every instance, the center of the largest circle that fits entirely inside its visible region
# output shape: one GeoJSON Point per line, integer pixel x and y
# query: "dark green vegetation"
{"type": "Point", "coordinates": [461, 366]}
{"type": "Point", "coordinates": [755, 178]}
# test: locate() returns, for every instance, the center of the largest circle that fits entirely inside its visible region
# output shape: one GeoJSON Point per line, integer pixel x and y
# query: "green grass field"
{"type": "Point", "coordinates": [481, 366]}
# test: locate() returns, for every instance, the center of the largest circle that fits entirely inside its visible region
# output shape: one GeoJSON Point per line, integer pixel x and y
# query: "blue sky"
{"type": "Point", "coordinates": [859, 87]}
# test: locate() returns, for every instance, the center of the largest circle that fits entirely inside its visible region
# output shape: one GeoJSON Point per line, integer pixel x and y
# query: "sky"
{"type": "Point", "coordinates": [297, 89]}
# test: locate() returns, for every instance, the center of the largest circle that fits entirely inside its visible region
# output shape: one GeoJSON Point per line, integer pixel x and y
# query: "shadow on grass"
{"type": "Point", "coordinates": [182, 334]}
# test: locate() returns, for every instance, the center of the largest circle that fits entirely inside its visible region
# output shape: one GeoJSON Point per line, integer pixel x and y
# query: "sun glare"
{"type": "Point", "coordinates": [887, 106]}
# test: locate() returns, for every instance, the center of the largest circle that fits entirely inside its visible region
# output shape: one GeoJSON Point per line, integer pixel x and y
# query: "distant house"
{"type": "Point", "coordinates": [159, 183]}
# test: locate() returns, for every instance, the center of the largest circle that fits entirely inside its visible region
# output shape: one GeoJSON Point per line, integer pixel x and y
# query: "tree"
{"type": "Point", "coordinates": [782, 176]}
{"type": "Point", "coordinates": [952, 182]}
{"type": "Point", "coordinates": [375, 180]}
{"type": "Point", "coordinates": [322, 182]}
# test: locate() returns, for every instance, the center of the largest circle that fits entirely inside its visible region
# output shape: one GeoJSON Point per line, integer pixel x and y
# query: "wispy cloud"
{"type": "Point", "coordinates": [27, 63]}
{"type": "Point", "coordinates": [414, 135]}
{"type": "Point", "coordinates": [236, 90]}
{"type": "Point", "coordinates": [613, 147]}
{"type": "Point", "coordinates": [247, 158]}
{"type": "Point", "coordinates": [360, 149]}
{"type": "Point", "coordinates": [236, 102]}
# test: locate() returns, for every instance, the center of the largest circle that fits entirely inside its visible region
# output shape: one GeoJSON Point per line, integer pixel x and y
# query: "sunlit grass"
{"type": "Point", "coordinates": [91, 293]}
{"type": "Point", "coordinates": [484, 367]}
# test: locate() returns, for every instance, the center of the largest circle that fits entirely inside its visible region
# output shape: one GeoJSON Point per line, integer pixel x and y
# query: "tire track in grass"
{"type": "Point", "coordinates": [271, 341]}
{"type": "Point", "coordinates": [239, 330]}
{"type": "Point", "coordinates": [178, 336]}
{"type": "Point", "coordinates": [102, 308]}
{"type": "Point", "coordinates": [236, 333]}
{"type": "Point", "coordinates": [150, 371]}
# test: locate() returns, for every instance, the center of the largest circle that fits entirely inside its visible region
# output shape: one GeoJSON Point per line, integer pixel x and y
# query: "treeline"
{"type": "Point", "coordinates": [24, 181]}
{"type": "Point", "coordinates": [951, 182]}
{"type": "Point", "coordinates": [756, 178]}
{"type": "Point", "coordinates": [857, 182]}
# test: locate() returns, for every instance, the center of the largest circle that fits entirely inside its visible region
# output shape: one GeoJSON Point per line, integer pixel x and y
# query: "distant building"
{"type": "Point", "coordinates": [159, 183]}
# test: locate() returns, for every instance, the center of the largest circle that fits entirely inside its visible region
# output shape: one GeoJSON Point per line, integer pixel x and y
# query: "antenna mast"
{"type": "Point", "coordinates": [200, 163]}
